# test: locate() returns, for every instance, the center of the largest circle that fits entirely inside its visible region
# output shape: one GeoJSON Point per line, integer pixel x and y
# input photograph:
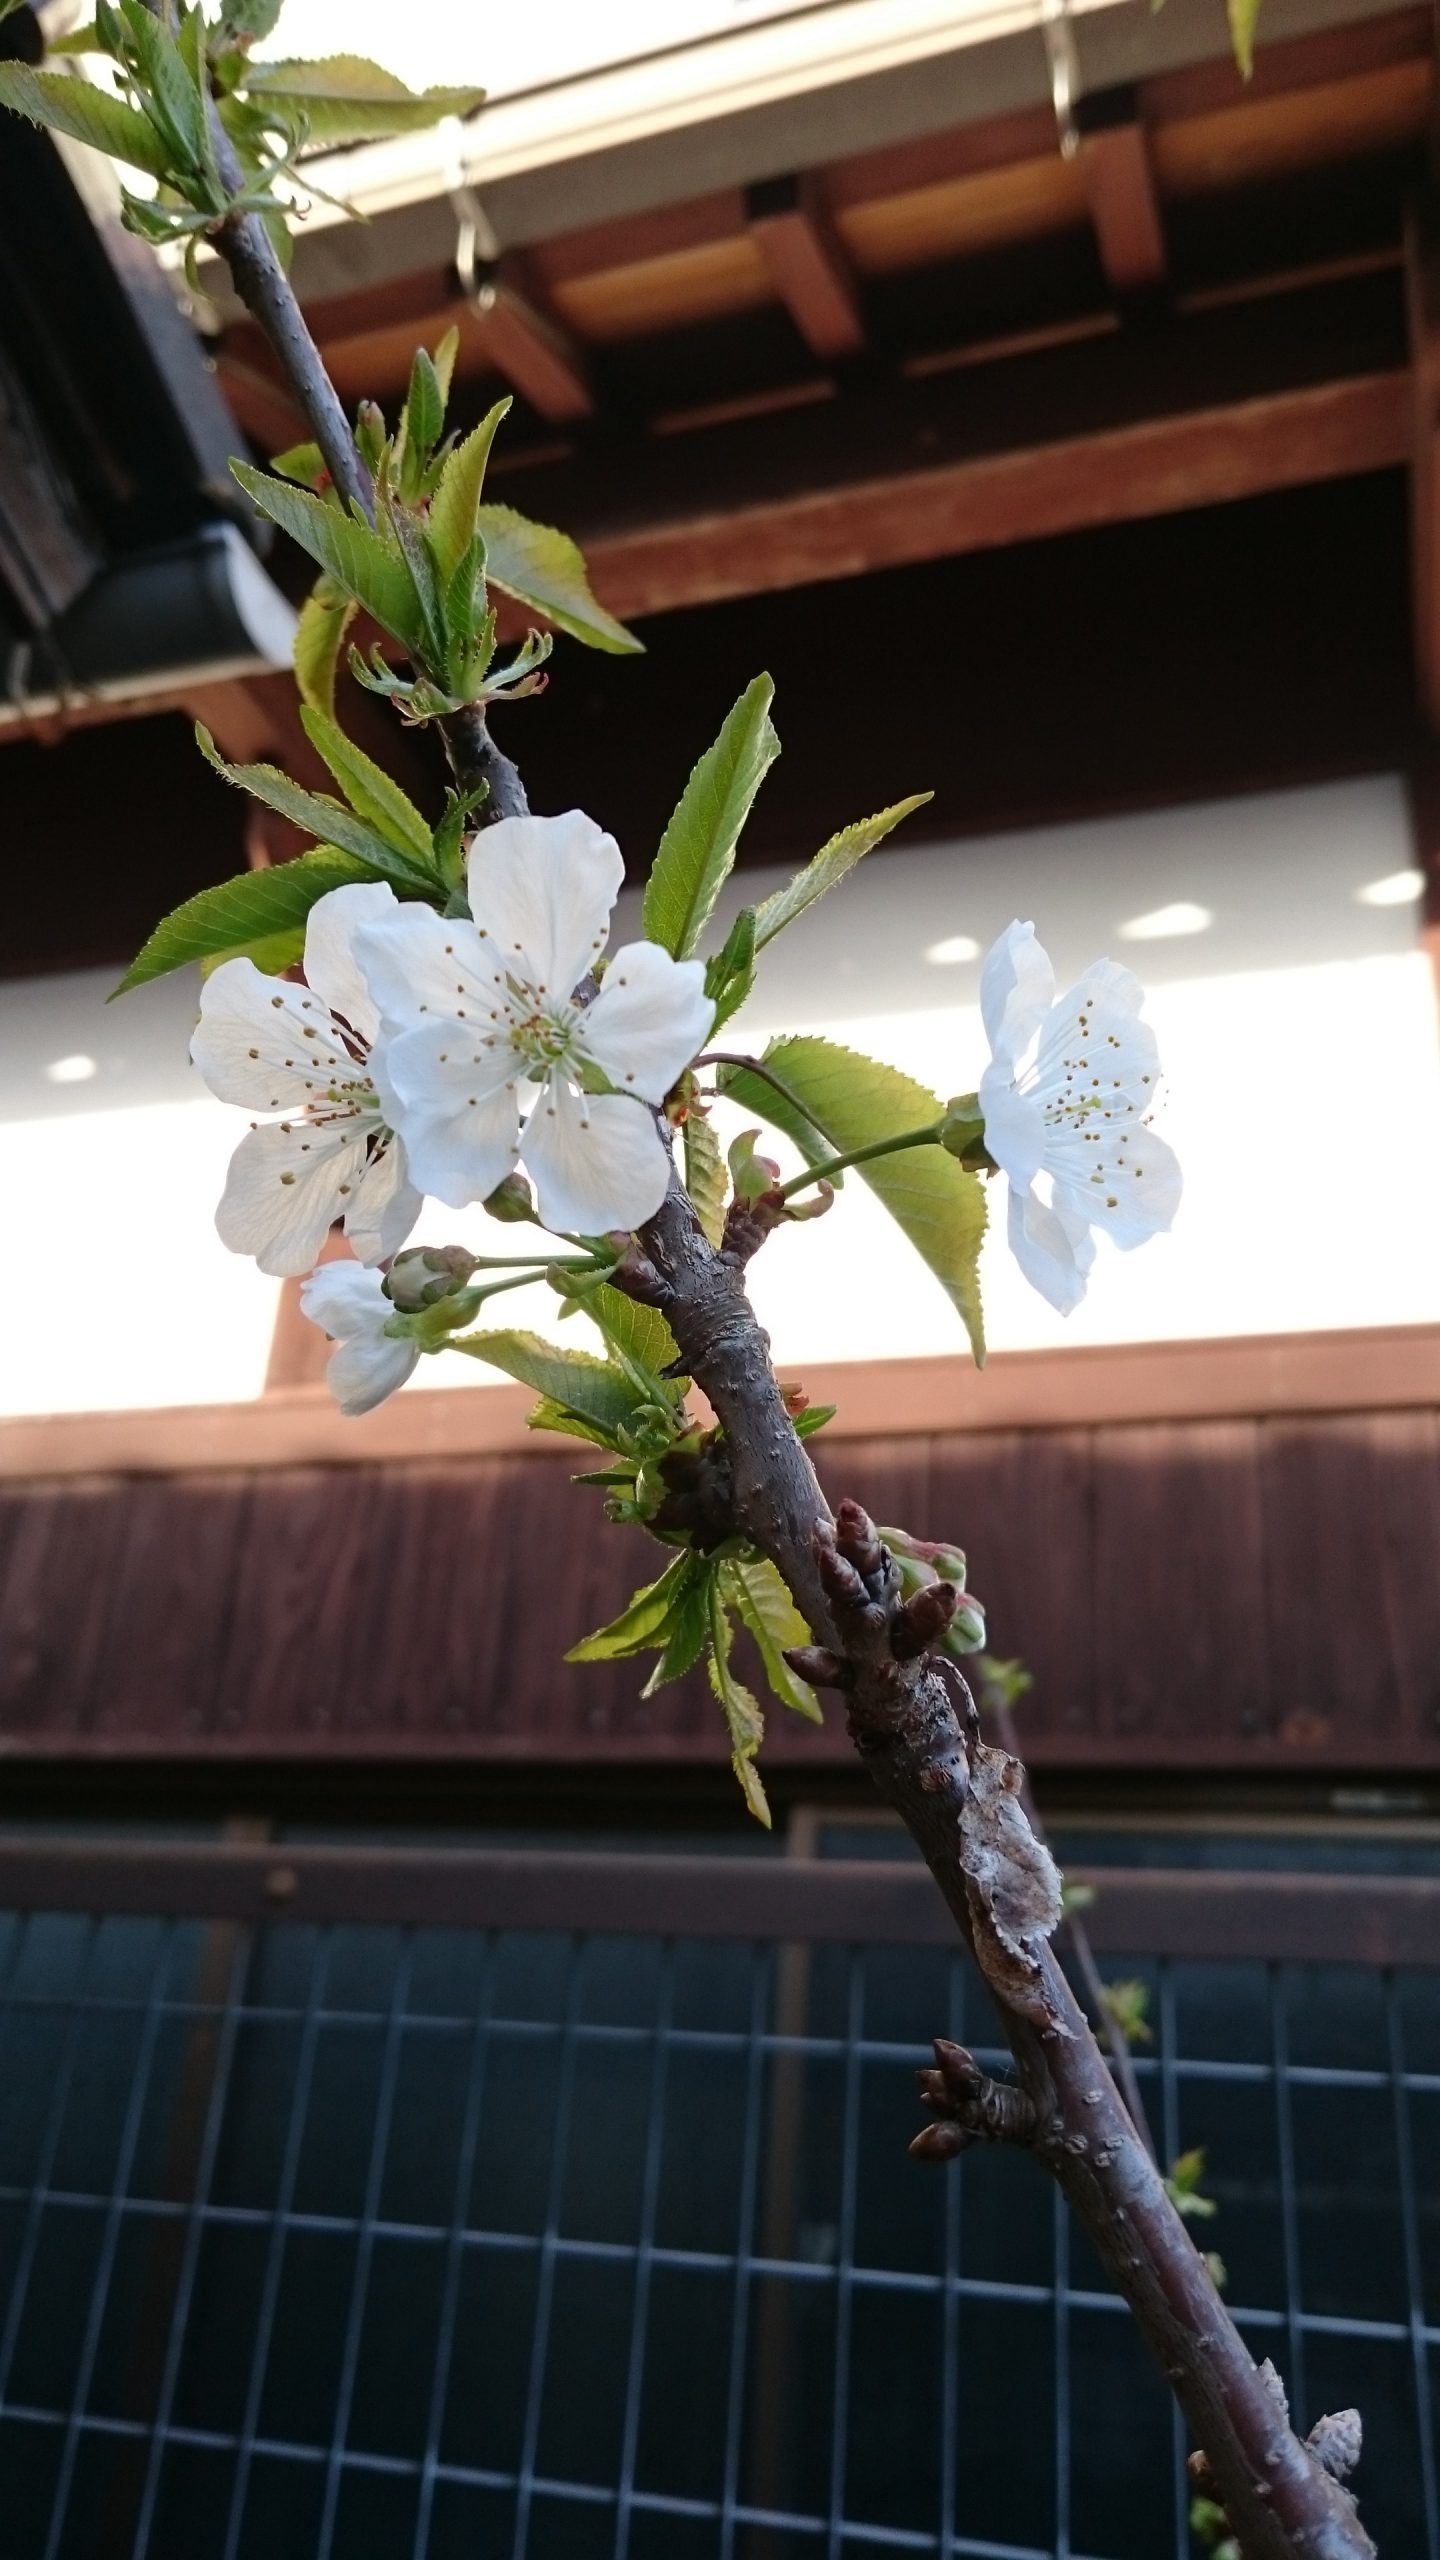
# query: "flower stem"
{"type": "Point", "coordinates": [927, 1137]}
{"type": "Point", "coordinates": [754, 1067]}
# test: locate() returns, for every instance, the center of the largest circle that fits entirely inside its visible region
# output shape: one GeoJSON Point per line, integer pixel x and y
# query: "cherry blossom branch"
{"type": "Point", "coordinates": [957, 1796]}
{"type": "Point", "coordinates": [927, 1137]}
{"type": "Point", "coordinates": [959, 1799]}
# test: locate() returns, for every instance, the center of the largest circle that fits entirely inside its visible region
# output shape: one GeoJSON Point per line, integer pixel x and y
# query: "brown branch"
{"type": "Point", "coordinates": [959, 1800]}
{"type": "Point", "coordinates": [268, 296]}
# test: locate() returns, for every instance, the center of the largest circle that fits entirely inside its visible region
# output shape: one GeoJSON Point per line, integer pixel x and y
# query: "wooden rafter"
{"type": "Point", "coordinates": [791, 227]}
{"type": "Point", "coordinates": [528, 347]}
{"type": "Point", "coordinates": [1120, 183]}
{"type": "Point", "coordinates": [1422, 290]}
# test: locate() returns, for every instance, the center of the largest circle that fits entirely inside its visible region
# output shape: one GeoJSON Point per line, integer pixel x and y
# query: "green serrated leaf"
{"type": "Point", "coordinates": [850, 1101]}
{"type": "Point", "coordinates": [358, 561]}
{"type": "Point", "coordinates": [594, 1389]}
{"type": "Point", "coordinates": [639, 1333]}
{"type": "Point", "coordinates": [549, 1416]}
{"type": "Point", "coordinates": [321, 817]}
{"type": "Point", "coordinates": [249, 21]}
{"type": "Point", "coordinates": [813, 1419]}
{"type": "Point", "coordinates": [730, 971]}
{"type": "Point", "coordinates": [320, 628]}
{"type": "Point", "coordinates": [546, 570]}
{"type": "Point", "coordinates": [705, 1176]}
{"type": "Point", "coordinates": [346, 98]}
{"type": "Point", "coordinates": [697, 849]}
{"type": "Point", "coordinates": [642, 1623]}
{"type": "Point", "coordinates": [66, 104]}
{"type": "Point", "coordinates": [304, 463]}
{"type": "Point", "coordinates": [443, 359]}
{"type": "Point", "coordinates": [764, 1606]}
{"type": "Point", "coordinates": [687, 1628]}
{"type": "Point", "coordinates": [743, 1718]}
{"type": "Point", "coordinates": [828, 867]}
{"type": "Point", "coordinates": [238, 917]}
{"type": "Point", "coordinates": [451, 521]}
{"type": "Point", "coordinates": [172, 98]}
{"type": "Point", "coordinates": [369, 789]}
{"type": "Point", "coordinates": [424, 404]}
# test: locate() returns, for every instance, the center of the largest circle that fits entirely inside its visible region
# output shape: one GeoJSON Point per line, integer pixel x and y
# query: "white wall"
{"type": "Point", "coordinates": [1298, 1033]}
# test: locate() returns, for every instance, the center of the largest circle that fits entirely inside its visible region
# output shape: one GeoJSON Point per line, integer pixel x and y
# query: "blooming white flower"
{"type": "Point", "coordinates": [472, 1012]}
{"type": "Point", "coordinates": [303, 1051]}
{"type": "Point", "coordinates": [1068, 1093]}
{"type": "Point", "coordinates": [350, 1304]}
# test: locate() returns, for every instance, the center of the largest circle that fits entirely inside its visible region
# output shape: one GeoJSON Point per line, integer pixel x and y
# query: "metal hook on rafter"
{"type": "Point", "coordinates": [1058, 29]}
{"type": "Point", "coordinates": [536, 356]}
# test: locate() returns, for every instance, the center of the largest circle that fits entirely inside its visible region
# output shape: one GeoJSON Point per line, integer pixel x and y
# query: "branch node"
{"type": "Point", "coordinates": [819, 1667]}
{"type": "Point", "coordinates": [1336, 2442]}
{"type": "Point", "coordinates": [970, 2106]}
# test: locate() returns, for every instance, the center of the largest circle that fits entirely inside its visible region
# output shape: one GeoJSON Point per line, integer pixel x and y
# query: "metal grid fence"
{"type": "Point", "coordinates": [330, 2241]}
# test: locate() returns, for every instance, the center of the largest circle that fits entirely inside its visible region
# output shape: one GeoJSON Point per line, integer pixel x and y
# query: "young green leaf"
{"type": "Point", "coordinates": [763, 1605]}
{"type": "Point", "coordinates": [424, 405]}
{"type": "Point", "coordinates": [86, 113]}
{"type": "Point", "coordinates": [322, 817]}
{"type": "Point", "coordinates": [686, 1630]}
{"type": "Point", "coordinates": [451, 521]}
{"type": "Point", "coordinates": [172, 97]}
{"type": "Point", "coordinates": [697, 849]}
{"type": "Point", "coordinates": [1244, 16]}
{"type": "Point", "coordinates": [743, 1718]}
{"type": "Point", "coordinates": [705, 1177]}
{"type": "Point", "coordinates": [849, 1102]}
{"type": "Point", "coordinates": [730, 971]}
{"type": "Point", "coordinates": [639, 1333]}
{"type": "Point", "coordinates": [594, 1389]}
{"type": "Point", "coordinates": [244, 916]}
{"type": "Point", "coordinates": [345, 98]}
{"type": "Point", "coordinates": [320, 628]}
{"type": "Point", "coordinates": [443, 359]}
{"type": "Point", "coordinates": [828, 867]}
{"type": "Point", "coordinates": [249, 21]}
{"type": "Point", "coordinates": [547, 1415]}
{"type": "Point", "coordinates": [642, 1623]}
{"type": "Point", "coordinates": [546, 570]}
{"type": "Point", "coordinates": [304, 463]}
{"type": "Point", "coordinates": [369, 789]}
{"type": "Point", "coordinates": [358, 561]}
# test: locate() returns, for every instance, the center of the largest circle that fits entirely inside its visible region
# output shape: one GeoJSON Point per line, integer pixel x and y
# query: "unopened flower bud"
{"type": "Point", "coordinates": [931, 1554]}
{"type": "Point", "coordinates": [512, 1200]}
{"type": "Point", "coordinates": [966, 1631]}
{"type": "Point", "coordinates": [425, 1274]}
{"type": "Point", "coordinates": [370, 433]}
{"type": "Point", "coordinates": [962, 1130]}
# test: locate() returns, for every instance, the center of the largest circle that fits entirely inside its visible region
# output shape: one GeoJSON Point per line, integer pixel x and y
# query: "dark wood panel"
{"type": "Point", "coordinates": [1179, 1582]}
{"type": "Point", "coordinates": [1214, 1594]}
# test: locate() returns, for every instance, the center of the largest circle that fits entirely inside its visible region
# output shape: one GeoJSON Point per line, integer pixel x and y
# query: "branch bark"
{"type": "Point", "coordinates": [929, 1763]}
{"type": "Point", "coordinates": [958, 1798]}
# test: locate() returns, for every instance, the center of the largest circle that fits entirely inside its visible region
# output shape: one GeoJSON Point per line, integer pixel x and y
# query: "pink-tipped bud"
{"type": "Point", "coordinates": [426, 1274]}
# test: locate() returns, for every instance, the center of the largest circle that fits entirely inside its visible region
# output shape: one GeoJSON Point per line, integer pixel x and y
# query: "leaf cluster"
{"type": "Point", "coordinates": [180, 81]}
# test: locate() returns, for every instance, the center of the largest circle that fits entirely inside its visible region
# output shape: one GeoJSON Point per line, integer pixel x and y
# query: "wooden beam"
{"type": "Point", "coordinates": [791, 227]}
{"type": "Point", "coordinates": [1120, 183]}
{"type": "Point", "coordinates": [298, 1348]}
{"type": "Point", "coordinates": [260, 405]}
{"type": "Point", "coordinates": [529, 348]}
{"type": "Point", "coordinates": [1386, 1369]}
{"type": "Point", "coordinates": [1157, 466]}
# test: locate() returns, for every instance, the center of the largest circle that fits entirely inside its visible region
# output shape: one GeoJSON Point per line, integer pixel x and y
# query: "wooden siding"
{"type": "Point", "coordinates": [1226, 1594]}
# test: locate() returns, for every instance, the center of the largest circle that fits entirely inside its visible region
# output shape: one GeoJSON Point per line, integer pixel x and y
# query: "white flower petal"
{"type": "Point", "coordinates": [362, 1373]}
{"type": "Point", "coordinates": [349, 1303]}
{"type": "Point", "coordinates": [1132, 1192]}
{"type": "Point", "coordinates": [651, 1016]}
{"type": "Point", "coordinates": [1095, 1050]}
{"type": "Point", "coordinates": [417, 965]}
{"type": "Point", "coordinates": [332, 966]}
{"type": "Point", "coordinates": [1014, 1125]}
{"type": "Point", "coordinates": [542, 890]}
{"type": "Point", "coordinates": [288, 1183]}
{"type": "Point", "coordinates": [1017, 989]}
{"type": "Point", "coordinates": [597, 1161]}
{"type": "Point", "coordinates": [385, 1206]}
{"type": "Point", "coordinates": [1054, 1249]}
{"type": "Point", "coordinates": [264, 1044]}
{"type": "Point", "coordinates": [454, 1106]}
{"type": "Point", "coordinates": [345, 1298]}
